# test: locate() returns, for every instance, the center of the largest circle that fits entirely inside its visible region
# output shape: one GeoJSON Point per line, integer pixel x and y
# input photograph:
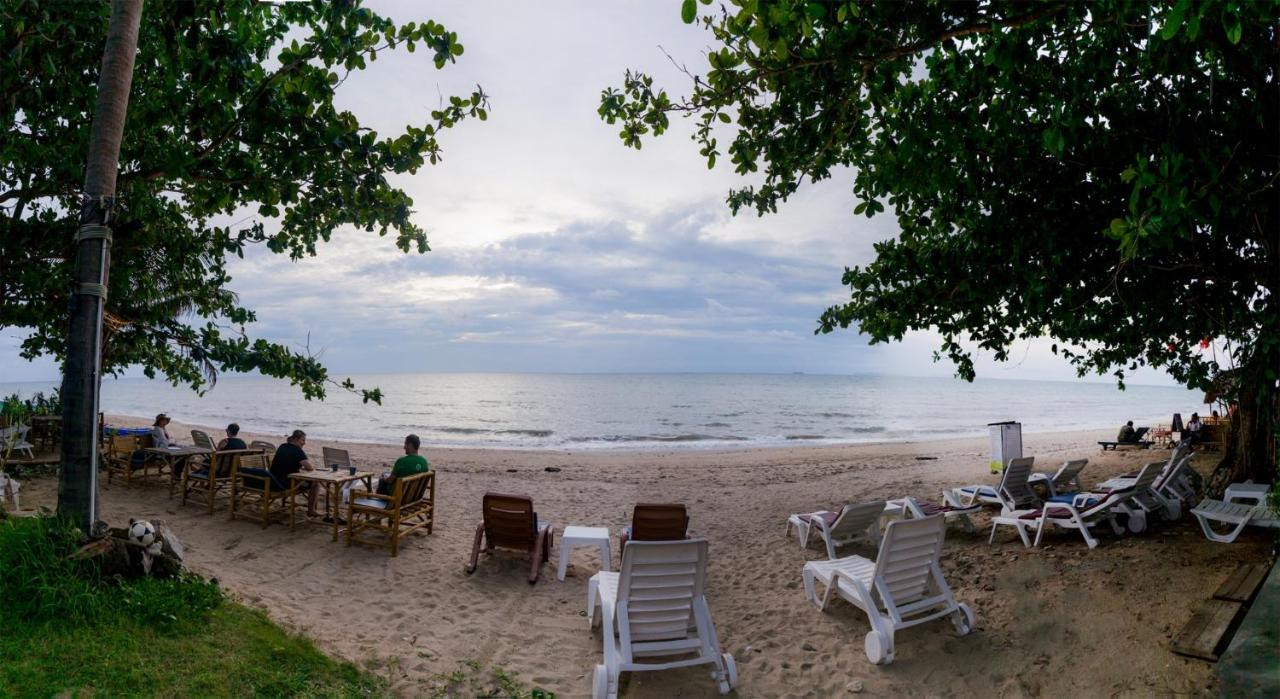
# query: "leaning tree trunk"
{"type": "Point", "coordinates": [1250, 449]}
{"type": "Point", "coordinates": [81, 378]}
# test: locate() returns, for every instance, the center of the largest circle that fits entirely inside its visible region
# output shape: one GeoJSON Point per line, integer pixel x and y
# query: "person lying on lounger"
{"type": "Point", "coordinates": [407, 465]}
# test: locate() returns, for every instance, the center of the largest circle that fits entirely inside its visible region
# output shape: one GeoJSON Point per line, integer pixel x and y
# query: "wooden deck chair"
{"type": "Point", "coordinates": [852, 522]}
{"type": "Point", "coordinates": [202, 440]}
{"type": "Point", "coordinates": [215, 479]}
{"type": "Point", "coordinates": [1013, 490]}
{"type": "Point", "coordinates": [1235, 515]}
{"type": "Point", "coordinates": [1085, 511]}
{"type": "Point", "coordinates": [410, 507]}
{"type": "Point", "coordinates": [510, 523]}
{"type": "Point", "coordinates": [655, 615]}
{"type": "Point", "coordinates": [120, 461]}
{"type": "Point", "coordinates": [1066, 480]}
{"type": "Point", "coordinates": [332, 456]}
{"type": "Point", "coordinates": [253, 487]}
{"type": "Point", "coordinates": [656, 522]}
{"type": "Point", "coordinates": [267, 447]}
{"type": "Point", "coordinates": [903, 587]}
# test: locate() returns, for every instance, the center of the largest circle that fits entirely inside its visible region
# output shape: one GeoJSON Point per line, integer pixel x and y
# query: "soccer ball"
{"type": "Point", "coordinates": [141, 532]}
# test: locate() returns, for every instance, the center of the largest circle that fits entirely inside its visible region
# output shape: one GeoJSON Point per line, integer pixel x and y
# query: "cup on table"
{"type": "Point", "coordinates": [333, 467]}
{"type": "Point", "coordinates": [353, 470]}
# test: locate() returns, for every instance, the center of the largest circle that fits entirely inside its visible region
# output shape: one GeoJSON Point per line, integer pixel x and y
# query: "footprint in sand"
{"type": "Point", "coordinates": [233, 543]}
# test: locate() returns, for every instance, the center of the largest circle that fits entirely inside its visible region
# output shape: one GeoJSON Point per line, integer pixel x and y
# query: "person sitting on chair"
{"type": "Point", "coordinates": [232, 440]}
{"type": "Point", "coordinates": [1192, 434]}
{"type": "Point", "coordinates": [1127, 434]}
{"type": "Point", "coordinates": [409, 464]}
{"type": "Point", "coordinates": [290, 459]}
{"type": "Point", "coordinates": [159, 435]}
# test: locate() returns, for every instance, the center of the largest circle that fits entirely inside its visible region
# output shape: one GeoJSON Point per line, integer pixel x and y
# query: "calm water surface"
{"type": "Point", "coordinates": [645, 411]}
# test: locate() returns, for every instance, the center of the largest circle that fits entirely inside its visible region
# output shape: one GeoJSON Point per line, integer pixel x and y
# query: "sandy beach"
{"type": "Point", "coordinates": [1055, 621]}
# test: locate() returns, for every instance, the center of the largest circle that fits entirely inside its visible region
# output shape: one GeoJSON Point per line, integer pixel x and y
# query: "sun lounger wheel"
{"type": "Point", "coordinates": [963, 620]}
{"type": "Point", "coordinates": [600, 682]}
{"type": "Point", "coordinates": [729, 678]}
{"type": "Point", "coordinates": [1138, 522]}
{"type": "Point", "coordinates": [879, 648]}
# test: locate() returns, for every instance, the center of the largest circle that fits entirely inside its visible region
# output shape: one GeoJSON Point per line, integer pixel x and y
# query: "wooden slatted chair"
{"type": "Point", "coordinates": [510, 523]}
{"type": "Point", "coordinates": [656, 522]}
{"type": "Point", "coordinates": [410, 507]}
{"type": "Point", "coordinates": [120, 451]}
{"type": "Point", "coordinates": [336, 456]}
{"type": "Point", "coordinates": [252, 485]}
{"type": "Point", "coordinates": [267, 447]}
{"type": "Point", "coordinates": [212, 480]}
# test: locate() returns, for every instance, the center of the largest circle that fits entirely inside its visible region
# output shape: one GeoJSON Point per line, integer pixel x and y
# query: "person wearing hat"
{"type": "Point", "coordinates": [159, 435]}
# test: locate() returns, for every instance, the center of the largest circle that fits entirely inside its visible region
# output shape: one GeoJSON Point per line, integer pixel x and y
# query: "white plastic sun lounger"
{"type": "Point", "coordinates": [852, 522]}
{"type": "Point", "coordinates": [901, 588]}
{"type": "Point", "coordinates": [916, 508]}
{"type": "Point", "coordinates": [1013, 491]}
{"type": "Point", "coordinates": [1235, 515]}
{"type": "Point", "coordinates": [9, 488]}
{"type": "Point", "coordinates": [1067, 478]}
{"type": "Point", "coordinates": [1085, 511]}
{"type": "Point", "coordinates": [655, 608]}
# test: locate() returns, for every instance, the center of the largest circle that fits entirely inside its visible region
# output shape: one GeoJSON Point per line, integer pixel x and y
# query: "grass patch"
{"type": "Point", "coordinates": [64, 630]}
{"type": "Point", "coordinates": [471, 680]}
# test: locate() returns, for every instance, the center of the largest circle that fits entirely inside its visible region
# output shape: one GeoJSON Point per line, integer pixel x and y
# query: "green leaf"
{"type": "Point", "coordinates": [1173, 21]}
{"type": "Point", "coordinates": [1235, 31]}
{"type": "Point", "coordinates": [689, 11]}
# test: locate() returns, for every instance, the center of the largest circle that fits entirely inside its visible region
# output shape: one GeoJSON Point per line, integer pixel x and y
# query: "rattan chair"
{"type": "Point", "coordinates": [120, 451]}
{"type": "Point", "coordinates": [410, 507]}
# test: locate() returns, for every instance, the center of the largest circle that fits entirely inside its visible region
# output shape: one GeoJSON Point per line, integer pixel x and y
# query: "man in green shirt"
{"type": "Point", "coordinates": [409, 464]}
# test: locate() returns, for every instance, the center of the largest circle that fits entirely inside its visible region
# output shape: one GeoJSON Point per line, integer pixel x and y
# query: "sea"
{"type": "Point", "coordinates": [647, 411]}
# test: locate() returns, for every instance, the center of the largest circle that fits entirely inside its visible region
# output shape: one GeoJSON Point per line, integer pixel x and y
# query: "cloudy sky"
{"type": "Point", "coordinates": [557, 249]}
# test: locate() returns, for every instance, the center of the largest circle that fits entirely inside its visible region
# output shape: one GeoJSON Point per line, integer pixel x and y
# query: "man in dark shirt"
{"type": "Point", "coordinates": [233, 440]}
{"type": "Point", "coordinates": [290, 459]}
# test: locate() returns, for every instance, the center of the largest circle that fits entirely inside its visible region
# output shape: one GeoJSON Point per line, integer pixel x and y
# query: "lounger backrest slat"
{"type": "Point", "coordinates": [659, 522]}
{"type": "Point", "coordinates": [908, 552]}
{"type": "Point", "coordinates": [658, 585]}
{"type": "Point", "coordinates": [1015, 490]}
{"type": "Point", "coordinates": [856, 520]}
{"type": "Point", "coordinates": [1070, 472]}
{"type": "Point", "coordinates": [336, 456]}
{"type": "Point", "coordinates": [509, 521]}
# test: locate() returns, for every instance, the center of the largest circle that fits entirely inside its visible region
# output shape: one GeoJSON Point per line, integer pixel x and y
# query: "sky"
{"type": "Point", "coordinates": [557, 249]}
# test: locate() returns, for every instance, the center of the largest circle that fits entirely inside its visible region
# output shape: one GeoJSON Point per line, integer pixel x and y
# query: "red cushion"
{"type": "Point", "coordinates": [828, 517]}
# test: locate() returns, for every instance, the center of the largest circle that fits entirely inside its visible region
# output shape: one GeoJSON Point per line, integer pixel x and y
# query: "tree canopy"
{"type": "Point", "coordinates": [1100, 173]}
{"type": "Point", "coordinates": [232, 110]}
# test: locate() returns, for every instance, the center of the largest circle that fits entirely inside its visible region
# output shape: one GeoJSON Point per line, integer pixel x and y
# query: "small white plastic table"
{"type": "Point", "coordinates": [1254, 492]}
{"type": "Point", "coordinates": [583, 536]}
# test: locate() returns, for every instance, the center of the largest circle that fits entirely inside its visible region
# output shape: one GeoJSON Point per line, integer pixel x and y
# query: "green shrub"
{"type": "Point", "coordinates": [39, 581]}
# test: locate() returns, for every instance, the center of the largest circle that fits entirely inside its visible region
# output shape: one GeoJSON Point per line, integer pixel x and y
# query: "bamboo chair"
{"type": "Point", "coordinates": [211, 480]}
{"type": "Point", "coordinates": [656, 522]}
{"type": "Point", "coordinates": [120, 451]}
{"type": "Point", "coordinates": [201, 439]}
{"type": "Point", "coordinates": [510, 523]}
{"type": "Point", "coordinates": [251, 484]}
{"type": "Point", "coordinates": [410, 507]}
{"type": "Point", "coordinates": [267, 447]}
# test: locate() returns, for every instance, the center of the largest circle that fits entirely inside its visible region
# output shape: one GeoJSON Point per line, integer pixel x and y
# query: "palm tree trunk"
{"type": "Point", "coordinates": [81, 378]}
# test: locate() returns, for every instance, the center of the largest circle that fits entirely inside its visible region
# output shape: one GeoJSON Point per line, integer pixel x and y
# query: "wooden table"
{"type": "Point", "coordinates": [332, 482]}
{"type": "Point", "coordinates": [173, 455]}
